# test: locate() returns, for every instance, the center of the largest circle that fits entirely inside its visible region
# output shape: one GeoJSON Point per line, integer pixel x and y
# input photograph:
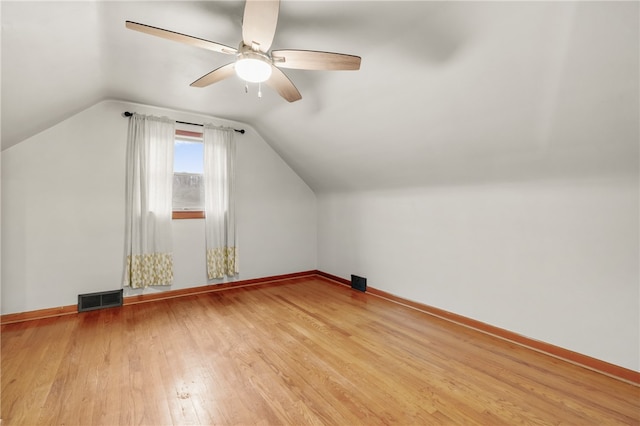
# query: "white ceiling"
{"type": "Point", "coordinates": [448, 91]}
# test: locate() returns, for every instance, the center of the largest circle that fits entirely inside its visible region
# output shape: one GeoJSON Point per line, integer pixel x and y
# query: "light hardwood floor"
{"type": "Point", "coordinates": [303, 351]}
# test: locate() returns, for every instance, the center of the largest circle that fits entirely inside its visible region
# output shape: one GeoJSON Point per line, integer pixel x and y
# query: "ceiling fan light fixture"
{"type": "Point", "coordinates": [254, 61]}
{"type": "Point", "coordinates": [252, 67]}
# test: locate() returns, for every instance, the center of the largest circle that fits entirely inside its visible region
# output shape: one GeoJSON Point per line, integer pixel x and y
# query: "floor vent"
{"type": "Point", "coordinates": [100, 300]}
{"type": "Point", "coordinates": [358, 283]}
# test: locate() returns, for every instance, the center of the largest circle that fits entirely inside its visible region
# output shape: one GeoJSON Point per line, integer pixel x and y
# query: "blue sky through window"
{"type": "Point", "coordinates": [188, 157]}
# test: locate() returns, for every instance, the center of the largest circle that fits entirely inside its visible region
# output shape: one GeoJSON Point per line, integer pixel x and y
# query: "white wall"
{"type": "Point", "coordinates": [554, 261]}
{"type": "Point", "coordinates": [0, 227]}
{"type": "Point", "coordinates": [63, 212]}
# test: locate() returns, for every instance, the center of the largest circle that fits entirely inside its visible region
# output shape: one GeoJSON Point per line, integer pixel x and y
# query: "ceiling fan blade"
{"type": "Point", "coordinates": [215, 76]}
{"type": "Point", "coordinates": [314, 60]}
{"type": "Point", "coordinates": [281, 84]}
{"type": "Point", "coordinates": [259, 23]}
{"type": "Point", "coordinates": [182, 38]}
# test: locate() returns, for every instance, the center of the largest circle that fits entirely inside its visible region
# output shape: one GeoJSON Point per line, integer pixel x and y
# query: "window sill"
{"type": "Point", "coordinates": [188, 214]}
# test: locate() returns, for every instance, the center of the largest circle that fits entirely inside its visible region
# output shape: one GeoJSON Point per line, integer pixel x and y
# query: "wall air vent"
{"type": "Point", "coordinates": [358, 283]}
{"type": "Point", "coordinates": [100, 300]}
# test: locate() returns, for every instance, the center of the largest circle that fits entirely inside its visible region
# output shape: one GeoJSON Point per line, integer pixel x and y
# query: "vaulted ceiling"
{"type": "Point", "coordinates": [448, 92]}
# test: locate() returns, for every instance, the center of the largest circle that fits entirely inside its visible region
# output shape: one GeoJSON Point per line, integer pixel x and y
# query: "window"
{"type": "Point", "coordinates": [188, 166]}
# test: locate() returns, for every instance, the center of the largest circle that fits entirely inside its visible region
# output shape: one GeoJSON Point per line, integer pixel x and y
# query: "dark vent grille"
{"type": "Point", "coordinates": [100, 300]}
{"type": "Point", "coordinates": [358, 283]}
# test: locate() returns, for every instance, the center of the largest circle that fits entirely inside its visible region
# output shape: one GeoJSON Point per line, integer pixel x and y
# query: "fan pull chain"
{"type": "Point", "coordinates": [259, 90]}
{"type": "Point", "coordinates": [246, 87]}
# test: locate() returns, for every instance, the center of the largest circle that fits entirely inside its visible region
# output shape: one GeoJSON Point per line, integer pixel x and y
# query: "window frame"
{"type": "Point", "coordinates": [188, 214]}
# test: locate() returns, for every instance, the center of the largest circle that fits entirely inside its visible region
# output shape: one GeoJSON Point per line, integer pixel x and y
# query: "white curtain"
{"type": "Point", "coordinates": [219, 205]}
{"type": "Point", "coordinates": [148, 245]}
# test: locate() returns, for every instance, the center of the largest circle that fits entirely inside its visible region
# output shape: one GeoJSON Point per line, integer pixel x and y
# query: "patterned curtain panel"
{"type": "Point", "coordinates": [148, 245]}
{"type": "Point", "coordinates": [219, 206]}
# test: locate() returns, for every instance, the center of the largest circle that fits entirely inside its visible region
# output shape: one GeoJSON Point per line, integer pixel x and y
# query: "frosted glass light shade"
{"type": "Point", "coordinates": [253, 70]}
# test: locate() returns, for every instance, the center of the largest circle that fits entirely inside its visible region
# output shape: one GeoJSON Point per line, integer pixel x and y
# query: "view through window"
{"type": "Point", "coordinates": [188, 166]}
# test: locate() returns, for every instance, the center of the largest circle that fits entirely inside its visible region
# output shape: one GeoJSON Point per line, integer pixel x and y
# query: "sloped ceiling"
{"type": "Point", "coordinates": [448, 91]}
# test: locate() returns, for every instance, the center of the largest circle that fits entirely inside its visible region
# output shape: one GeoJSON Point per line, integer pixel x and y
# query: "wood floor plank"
{"type": "Point", "coordinates": [301, 351]}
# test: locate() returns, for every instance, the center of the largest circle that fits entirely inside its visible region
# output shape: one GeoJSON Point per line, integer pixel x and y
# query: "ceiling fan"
{"type": "Point", "coordinates": [254, 62]}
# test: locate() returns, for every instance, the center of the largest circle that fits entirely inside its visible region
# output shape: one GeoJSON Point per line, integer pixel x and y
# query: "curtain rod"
{"type": "Point", "coordinates": [129, 114]}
